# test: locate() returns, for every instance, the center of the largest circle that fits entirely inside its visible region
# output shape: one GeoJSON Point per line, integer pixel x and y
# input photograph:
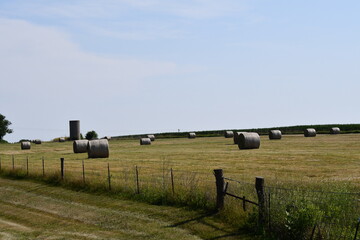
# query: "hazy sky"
{"type": "Point", "coordinates": [135, 66]}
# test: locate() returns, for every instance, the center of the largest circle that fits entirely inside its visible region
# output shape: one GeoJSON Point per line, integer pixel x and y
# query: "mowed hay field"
{"type": "Point", "coordinates": [294, 158]}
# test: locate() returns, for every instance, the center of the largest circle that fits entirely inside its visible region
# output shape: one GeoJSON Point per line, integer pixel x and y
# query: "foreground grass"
{"type": "Point", "coordinates": [30, 210]}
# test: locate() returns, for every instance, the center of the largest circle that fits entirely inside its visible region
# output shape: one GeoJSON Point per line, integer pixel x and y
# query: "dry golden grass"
{"type": "Point", "coordinates": [324, 158]}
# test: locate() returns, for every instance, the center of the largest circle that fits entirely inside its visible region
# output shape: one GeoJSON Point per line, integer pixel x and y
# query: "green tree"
{"type": "Point", "coordinates": [4, 126]}
{"type": "Point", "coordinates": [91, 135]}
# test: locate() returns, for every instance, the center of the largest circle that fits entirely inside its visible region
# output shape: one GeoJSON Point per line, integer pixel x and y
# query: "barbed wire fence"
{"type": "Point", "coordinates": [288, 213]}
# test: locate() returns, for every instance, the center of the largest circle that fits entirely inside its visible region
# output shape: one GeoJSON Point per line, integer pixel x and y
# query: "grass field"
{"type": "Point", "coordinates": [31, 210]}
{"type": "Point", "coordinates": [326, 163]}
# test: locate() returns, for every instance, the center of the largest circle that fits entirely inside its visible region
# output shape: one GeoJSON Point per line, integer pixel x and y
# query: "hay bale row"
{"type": "Point", "coordinates": [275, 134]}
{"type": "Point", "coordinates": [191, 135]}
{"type": "Point", "coordinates": [145, 141]}
{"type": "Point", "coordinates": [25, 145]}
{"type": "Point", "coordinates": [248, 140]}
{"type": "Point", "coordinates": [229, 134]}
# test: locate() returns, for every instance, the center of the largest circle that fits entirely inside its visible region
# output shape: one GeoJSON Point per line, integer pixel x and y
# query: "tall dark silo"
{"type": "Point", "coordinates": [74, 130]}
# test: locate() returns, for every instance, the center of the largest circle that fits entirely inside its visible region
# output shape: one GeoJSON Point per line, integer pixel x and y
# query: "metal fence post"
{"type": "Point", "coordinates": [260, 190]}
{"type": "Point", "coordinates": [62, 168]}
{"type": "Point", "coordinates": [220, 184]}
{"type": "Point", "coordinates": [357, 229]}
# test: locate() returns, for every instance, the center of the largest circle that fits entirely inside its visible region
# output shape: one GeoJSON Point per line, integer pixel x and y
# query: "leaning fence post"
{"type": "Point", "coordinates": [220, 184]}
{"type": "Point", "coordinates": [260, 190]}
{"type": "Point", "coordinates": [357, 229]}
{"type": "Point", "coordinates": [62, 168]}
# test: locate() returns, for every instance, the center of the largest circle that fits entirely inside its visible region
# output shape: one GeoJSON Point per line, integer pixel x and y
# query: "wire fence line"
{"type": "Point", "coordinates": [297, 213]}
{"type": "Point", "coordinates": [290, 213]}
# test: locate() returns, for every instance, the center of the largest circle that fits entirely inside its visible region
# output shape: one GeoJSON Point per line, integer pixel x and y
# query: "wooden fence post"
{"type": "Point", "coordinates": [109, 177]}
{"type": "Point", "coordinates": [62, 168]}
{"type": "Point", "coordinates": [0, 164]}
{"type": "Point", "coordinates": [27, 165]}
{"type": "Point", "coordinates": [13, 163]}
{"type": "Point", "coordinates": [137, 180]}
{"type": "Point", "coordinates": [43, 166]}
{"type": "Point", "coordinates": [220, 184]}
{"type": "Point", "coordinates": [83, 171]}
{"type": "Point", "coordinates": [260, 190]}
{"type": "Point", "coordinates": [357, 229]}
{"type": "Point", "coordinates": [172, 181]}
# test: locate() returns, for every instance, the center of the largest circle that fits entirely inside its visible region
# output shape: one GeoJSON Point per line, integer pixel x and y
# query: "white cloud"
{"type": "Point", "coordinates": [45, 60]}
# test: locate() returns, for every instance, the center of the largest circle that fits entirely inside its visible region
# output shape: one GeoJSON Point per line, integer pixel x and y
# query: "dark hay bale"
{"type": "Point", "coordinates": [25, 145]}
{"type": "Point", "coordinates": [80, 146]}
{"type": "Point", "coordinates": [275, 134]}
{"type": "Point", "coordinates": [249, 140]}
{"type": "Point", "coordinates": [151, 136]}
{"type": "Point", "coordinates": [191, 135]}
{"type": "Point", "coordinates": [236, 137]}
{"type": "Point", "coordinates": [228, 134]}
{"type": "Point", "coordinates": [145, 141]}
{"type": "Point", "coordinates": [310, 132]}
{"type": "Point", "coordinates": [37, 141]}
{"type": "Point", "coordinates": [98, 148]}
{"type": "Point", "coordinates": [335, 130]}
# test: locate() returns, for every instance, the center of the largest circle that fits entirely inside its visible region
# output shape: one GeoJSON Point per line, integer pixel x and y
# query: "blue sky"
{"type": "Point", "coordinates": [128, 66]}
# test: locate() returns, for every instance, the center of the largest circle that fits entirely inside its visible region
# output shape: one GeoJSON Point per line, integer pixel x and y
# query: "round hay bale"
{"type": "Point", "coordinates": [191, 135]}
{"type": "Point", "coordinates": [98, 148]}
{"type": "Point", "coordinates": [335, 130]}
{"type": "Point", "coordinates": [249, 140]}
{"type": "Point", "coordinates": [151, 136]}
{"type": "Point", "coordinates": [229, 134]}
{"type": "Point", "coordinates": [25, 145]}
{"type": "Point", "coordinates": [236, 137]}
{"type": "Point", "coordinates": [145, 141]}
{"type": "Point", "coordinates": [310, 132]}
{"type": "Point", "coordinates": [80, 146]}
{"type": "Point", "coordinates": [61, 139]}
{"type": "Point", "coordinates": [37, 141]}
{"type": "Point", "coordinates": [274, 134]}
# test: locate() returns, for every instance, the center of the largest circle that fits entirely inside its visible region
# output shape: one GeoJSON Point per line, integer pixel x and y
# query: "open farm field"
{"type": "Point", "coordinates": [316, 176]}
{"type": "Point", "coordinates": [324, 158]}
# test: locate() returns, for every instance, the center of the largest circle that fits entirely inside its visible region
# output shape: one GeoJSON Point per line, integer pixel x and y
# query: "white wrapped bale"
{"type": "Point", "coordinates": [98, 148]}
{"type": "Point", "coordinates": [310, 132]}
{"type": "Point", "coordinates": [275, 134]}
{"type": "Point", "coordinates": [25, 145]}
{"type": "Point", "coordinates": [229, 134]}
{"type": "Point", "coordinates": [61, 139]}
{"type": "Point", "coordinates": [191, 135]}
{"type": "Point", "coordinates": [335, 130]}
{"type": "Point", "coordinates": [151, 136]}
{"type": "Point", "coordinates": [80, 146]}
{"type": "Point", "coordinates": [145, 141]}
{"type": "Point", "coordinates": [249, 140]}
